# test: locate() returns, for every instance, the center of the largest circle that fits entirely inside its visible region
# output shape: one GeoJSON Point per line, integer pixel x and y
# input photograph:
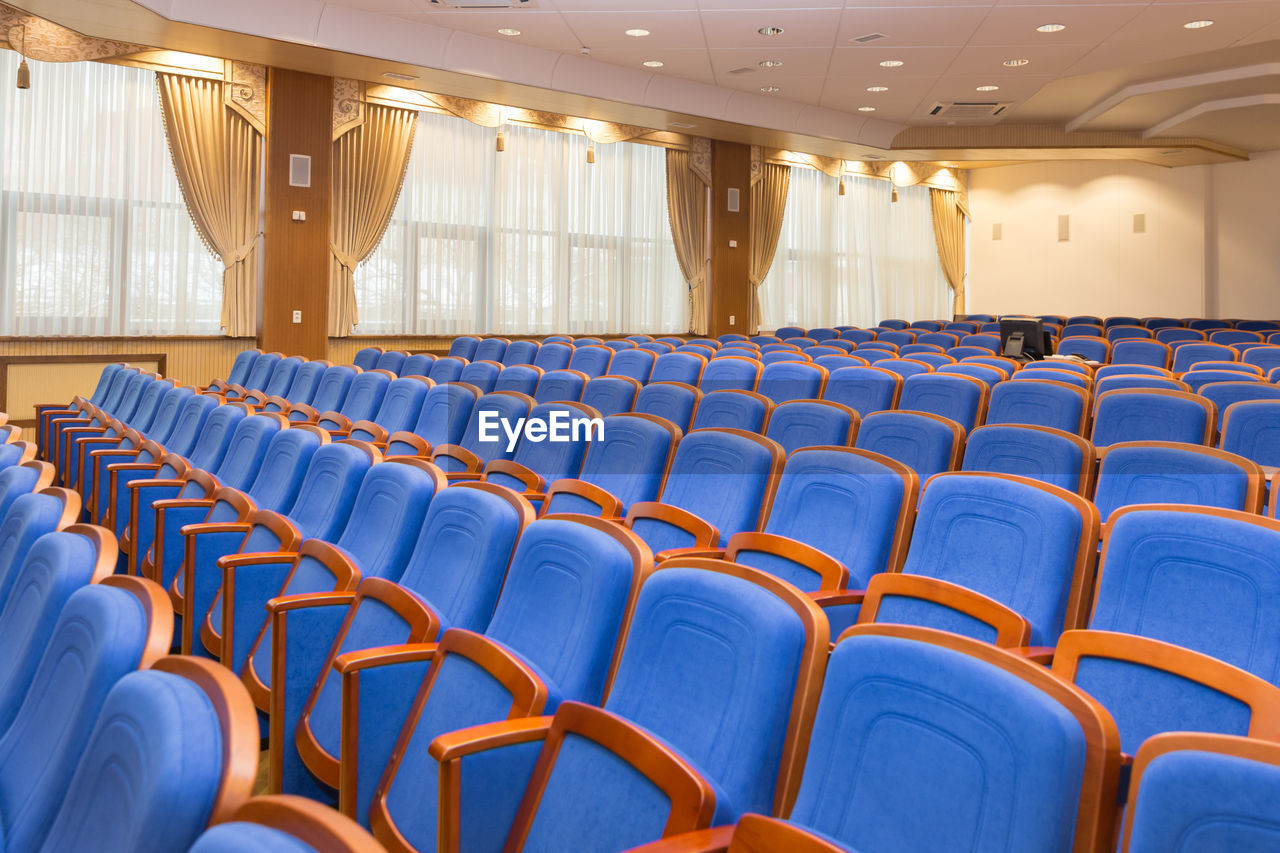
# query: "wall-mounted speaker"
{"type": "Point", "coordinates": [734, 203]}
{"type": "Point", "coordinates": [1139, 223]}
{"type": "Point", "coordinates": [299, 170]}
{"type": "Point", "coordinates": [1064, 228]}
{"type": "Point", "coordinates": [997, 231]}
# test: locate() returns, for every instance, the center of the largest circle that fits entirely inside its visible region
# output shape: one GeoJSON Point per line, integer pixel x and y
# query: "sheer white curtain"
{"type": "Point", "coordinates": [855, 259]}
{"type": "Point", "coordinates": [94, 236]}
{"type": "Point", "coordinates": [526, 241]}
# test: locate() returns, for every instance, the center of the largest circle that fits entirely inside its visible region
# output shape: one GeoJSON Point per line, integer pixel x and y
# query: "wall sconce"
{"type": "Point", "coordinates": [24, 70]}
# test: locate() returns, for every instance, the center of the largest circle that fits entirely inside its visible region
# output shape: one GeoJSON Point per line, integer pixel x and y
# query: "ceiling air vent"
{"type": "Point", "coordinates": [969, 109]}
{"type": "Point", "coordinates": [480, 4]}
{"type": "Point", "coordinates": [743, 70]}
{"type": "Point", "coordinates": [869, 37]}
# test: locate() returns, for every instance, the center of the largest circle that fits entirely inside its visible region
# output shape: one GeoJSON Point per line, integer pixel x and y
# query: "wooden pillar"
{"type": "Point", "coordinates": [730, 294]}
{"type": "Point", "coordinates": [296, 262]}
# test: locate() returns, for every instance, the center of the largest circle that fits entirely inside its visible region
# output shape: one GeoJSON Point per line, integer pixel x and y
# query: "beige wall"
{"type": "Point", "coordinates": [1242, 215]}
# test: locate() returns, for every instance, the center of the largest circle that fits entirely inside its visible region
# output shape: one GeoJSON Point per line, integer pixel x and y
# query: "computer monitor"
{"type": "Point", "coordinates": [1024, 338]}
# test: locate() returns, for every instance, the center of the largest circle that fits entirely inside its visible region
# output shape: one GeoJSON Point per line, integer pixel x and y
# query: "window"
{"type": "Point", "coordinates": [854, 259]}
{"type": "Point", "coordinates": [530, 240]}
{"type": "Point", "coordinates": [94, 236]}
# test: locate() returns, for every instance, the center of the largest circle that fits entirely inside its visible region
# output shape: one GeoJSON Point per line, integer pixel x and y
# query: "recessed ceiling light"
{"type": "Point", "coordinates": [1174, 151]}
{"type": "Point", "coordinates": [1197, 25]}
{"type": "Point", "coordinates": [653, 63]}
{"type": "Point", "coordinates": [877, 88]}
{"type": "Point", "coordinates": [988, 88]}
{"type": "Point", "coordinates": [637, 33]}
{"type": "Point", "coordinates": [1017, 63]}
{"type": "Point", "coordinates": [1051, 28]}
{"type": "Point", "coordinates": [770, 89]}
{"type": "Point", "coordinates": [770, 31]}
{"type": "Point", "coordinates": [682, 124]}
{"type": "Point", "coordinates": [771, 63]}
{"type": "Point", "coordinates": [866, 109]}
{"type": "Point", "coordinates": [508, 31]}
{"type": "Point", "coordinates": [891, 63]}
{"type": "Point", "coordinates": [396, 75]}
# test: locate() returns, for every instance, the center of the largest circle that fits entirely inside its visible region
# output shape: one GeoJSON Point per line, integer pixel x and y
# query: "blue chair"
{"type": "Point", "coordinates": [447, 369]}
{"type": "Point", "coordinates": [560, 386]}
{"type": "Point", "coordinates": [989, 328]}
{"type": "Point", "coordinates": [263, 366]}
{"type": "Point", "coordinates": [1226, 394]}
{"type": "Point", "coordinates": [1265, 357]}
{"type": "Point", "coordinates": [960, 352]}
{"type": "Point", "coordinates": [521, 378]}
{"type": "Point", "coordinates": [1251, 428]}
{"type": "Point", "coordinates": [1085, 318]}
{"type": "Point", "coordinates": [685, 367]}
{"type": "Point", "coordinates": [724, 339]}
{"type": "Point", "coordinates": [1107, 370]}
{"type": "Point", "coordinates": [1002, 559]}
{"type": "Point", "coordinates": [558, 339]}
{"type": "Point", "coordinates": [778, 347]}
{"type": "Point", "coordinates": [904, 367]}
{"type": "Point", "coordinates": [1155, 324]}
{"type": "Point", "coordinates": [180, 742]}
{"type": "Point", "coordinates": [744, 410]}
{"type": "Point", "coordinates": [397, 412]}
{"type": "Point", "coordinates": [789, 332]}
{"type": "Point", "coordinates": [927, 325]}
{"type": "Point", "coordinates": [1264, 326]}
{"type": "Point", "coordinates": [284, 822]}
{"type": "Point", "coordinates": [103, 633]}
{"type": "Point", "coordinates": [281, 381]}
{"type": "Point", "coordinates": [898, 338]}
{"type": "Point", "coordinates": [674, 401]}
{"type": "Point", "coordinates": [464, 347]}
{"type": "Point", "coordinates": [490, 349]}
{"type": "Point", "coordinates": [1053, 456]}
{"type": "Point", "coordinates": [783, 355]}
{"type": "Point", "coordinates": [797, 424]}
{"type": "Point", "coordinates": [306, 379]}
{"type": "Point", "coordinates": [1197, 379]}
{"type": "Point", "coordinates": [984, 373]}
{"type": "Point", "coordinates": [835, 362]}
{"type": "Point", "coordinates": [842, 345]}
{"type": "Point", "coordinates": [721, 482]}
{"type": "Point", "coordinates": [361, 403]}
{"type": "Point", "coordinates": [330, 391]}
{"type": "Point", "coordinates": [481, 374]}
{"type": "Point", "coordinates": [1119, 332]}
{"type": "Point", "coordinates": [538, 462]}
{"type": "Point", "coordinates": [484, 439]}
{"type": "Point", "coordinates": [945, 340]}
{"type": "Point", "coordinates": [785, 381]}
{"type": "Point", "coordinates": [658, 347]}
{"type": "Point", "coordinates": [960, 398]}
{"type": "Point", "coordinates": [592, 359]}
{"type": "Point", "coordinates": [1152, 414]}
{"type": "Point", "coordinates": [1062, 374]}
{"type": "Point", "coordinates": [1116, 382]}
{"type": "Point", "coordinates": [1161, 472]}
{"type": "Point", "coordinates": [871, 356]}
{"type": "Point", "coordinates": [697, 349]}
{"type": "Point", "coordinates": [1189, 354]}
{"type": "Point", "coordinates": [962, 327]}
{"type": "Point", "coordinates": [896, 325]}
{"type": "Point", "coordinates": [761, 340]}
{"type": "Point", "coordinates": [1174, 336]}
{"type": "Point", "coordinates": [442, 419]}
{"type": "Point", "coordinates": [391, 361]}
{"type": "Point", "coordinates": [747, 346]}
{"type": "Point", "coordinates": [627, 466]}
{"type": "Point", "coordinates": [588, 341]}
{"type": "Point", "coordinates": [822, 334]}
{"type": "Point", "coordinates": [857, 336]}
{"type": "Point", "coordinates": [46, 413]}
{"type": "Point", "coordinates": [927, 444]}
{"type": "Point", "coordinates": [819, 351]}
{"type": "Point", "coordinates": [934, 360]}
{"type": "Point", "coordinates": [733, 373]}
{"type": "Point", "coordinates": [1151, 353]}
{"type": "Point", "coordinates": [987, 342]}
{"type": "Point", "coordinates": [863, 389]}
{"type": "Point", "coordinates": [1121, 321]}
{"type": "Point", "coordinates": [1091, 349]}
{"type": "Point", "coordinates": [610, 395]}
{"type": "Point", "coordinates": [553, 356]}
{"type": "Point", "coordinates": [635, 364]}
{"type": "Point", "coordinates": [365, 358]}
{"type": "Point", "coordinates": [520, 352]}
{"type": "Point", "coordinates": [1227, 337]}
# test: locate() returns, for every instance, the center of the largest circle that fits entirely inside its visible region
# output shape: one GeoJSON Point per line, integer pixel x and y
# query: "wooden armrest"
{"type": "Point", "coordinates": [610, 506]}
{"type": "Point", "coordinates": [182, 503]}
{"type": "Point", "coordinates": [383, 656]}
{"type": "Point", "coordinates": [687, 553]}
{"type": "Point", "coordinates": [704, 535]}
{"type": "Point", "coordinates": [421, 447]}
{"type": "Point", "coordinates": [831, 573]}
{"type": "Point", "coordinates": [154, 483]}
{"type": "Point", "coordinates": [342, 421]}
{"type": "Point", "coordinates": [377, 432]}
{"type": "Point", "coordinates": [1011, 629]}
{"type": "Point", "coordinates": [457, 451]}
{"type": "Point", "coordinates": [286, 603]}
{"type": "Point", "coordinates": [231, 390]}
{"type": "Point", "coordinates": [281, 404]}
{"type": "Point", "coordinates": [454, 745]}
{"type": "Point", "coordinates": [254, 558]}
{"type": "Point", "coordinates": [463, 476]}
{"type": "Point", "coordinates": [116, 467]}
{"type": "Point", "coordinates": [215, 527]}
{"type": "Point", "coordinates": [531, 481]}
{"type": "Point", "coordinates": [1042, 655]}
{"type": "Point", "coordinates": [835, 598]}
{"type": "Point", "coordinates": [255, 398]}
{"type": "Point", "coordinates": [310, 415]}
{"type": "Point", "coordinates": [714, 840]}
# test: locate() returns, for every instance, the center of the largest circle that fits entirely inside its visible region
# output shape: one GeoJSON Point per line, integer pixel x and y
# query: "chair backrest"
{"type": "Point", "coordinates": [284, 465]}
{"type": "Point", "coordinates": [726, 409]}
{"type": "Point", "coordinates": [1146, 352]}
{"type": "Point", "coordinates": [1172, 336]}
{"type": "Point", "coordinates": [367, 358]}
{"type": "Point", "coordinates": [1082, 330]}
{"type": "Point", "coordinates": [521, 378]}
{"type": "Point", "coordinates": [418, 364]}
{"type": "Point", "coordinates": [785, 332]}
{"type": "Point", "coordinates": [630, 463]}
{"type": "Point", "coordinates": [215, 435]}
{"type": "Point", "coordinates": [167, 412]}
{"type": "Point", "coordinates": [328, 490]}
{"type": "Point", "coordinates": [899, 337]}
{"type": "Point", "coordinates": [674, 401]}
{"type": "Point", "coordinates": [1040, 403]}
{"type": "Point", "coordinates": [1197, 379]}
{"type": "Point", "coordinates": [835, 362]}
{"type": "Point", "coordinates": [938, 347]}
{"type": "Point", "coordinates": [520, 352]}
{"type": "Point", "coordinates": [1116, 381]}
{"type": "Point", "coordinates": [1228, 337]}
{"type": "Point", "coordinates": [392, 360]}
{"type": "Point", "coordinates": [731, 373]}
{"type": "Point", "coordinates": [957, 397]}
{"type": "Point", "coordinates": [333, 388]}
{"type": "Point", "coordinates": [1142, 472]}
{"type": "Point", "coordinates": [926, 443]}
{"type": "Point", "coordinates": [447, 369]}
{"type": "Point", "coordinates": [1189, 353]}
{"type": "Point", "coordinates": [730, 619]}
{"type": "Point", "coordinates": [263, 366]}
{"type": "Point", "coordinates": [246, 449]}
{"type": "Point", "coordinates": [592, 359]}
{"type": "Point", "coordinates": [726, 477]}
{"type": "Point", "coordinates": [464, 347]}
{"type": "Point", "coordinates": [683, 367]}
{"type": "Point", "coordinates": [400, 406]}
{"type": "Point", "coordinates": [657, 347]}
{"type": "Point", "coordinates": [1070, 377]}
{"type": "Point", "coordinates": [553, 356]}
{"type": "Point", "coordinates": [987, 342]}
{"type": "Point", "coordinates": [442, 419]}
{"type": "Point", "coordinates": [611, 395]}
{"type": "Point", "coordinates": [29, 516]}
{"type": "Point", "coordinates": [1153, 414]}
{"type": "Point", "coordinates": [780, 355]}
{"type": "Point", "coordinates": [363, 397]}
{"type": "Point", "coordinates": [149, 404]}
{"type": "Point", "coordinates": [558, 454]}
{"type": "Point", "coordinates": [22, 479]}
{"type": "Point", "coordinates": [1050, 455]}
{"type": "Point", "coordinates": [241, 366]}
{"type": "Point", "coordinates": [1155, 323]}
{"type": "Point", "coordinates": [636, 364]}
{"type": "Point", "coordinates": [1025, 544]}
{"type": "Point", "coordinates": [868, 782]}
{"type": "Point", "coordinates": [863, 389]}
{"type": "Point", "coordinates": [1107, 370]}
{"type": "Point", "coordinates": [495, 407]}
{"type": "Point", "coordinates": [1093, 349]}
{"type": "Point", "coordinates": [306, 379]}
{"type": "Point", "coordinates": [481, 374]}
{"type": "Point", "coordinates": [1251, 428]}
{"type": "Point", "coordinates": [180, 741]}
{"type": "Point", "coordinates": [1205, 579]}
{"type": "Point", "coordinates": [1124, 332]}
{"type": "Point", "coordinates": [783, 381]}
{"type": "Point", "coordinates": [560, 386]}
{"type": "Point", "coordinates": [852, 505]}
{"type": "Point", "coordinates": [1226, 394]}
{"type": "Point", "coordinates": [812, 423]}
{"type": "Point", "coordinates": [822, 333]}
{"type": "Point", "coordinates": [983, 372]}
{"type": "Point", "coordinates": [286, 822]}
{"type": "Point", "coordinates": [1249, 370]}
{"type": "Point", "coordinates": [490, 349]}
{"type": "Point", "coordinates": [1265, 357]}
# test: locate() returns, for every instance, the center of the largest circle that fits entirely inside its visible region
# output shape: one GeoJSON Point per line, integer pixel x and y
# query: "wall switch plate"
{"type": "Point", "coordinates": [732, 319]}
{"type": "Point", "coordinates": [297, 316]}
{"type": "Point", "coordinates": [299, 216]}
{"type": "Point", "coordinates": [733, 244]}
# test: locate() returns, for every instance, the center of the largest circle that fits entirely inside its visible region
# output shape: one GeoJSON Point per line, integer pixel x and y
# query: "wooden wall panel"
{"type": "Point", "coordinates": [191, 361]}
{"type": "Point", "coordinates": [296, 264]}
{"type": "Point", "coordinates": [343, 350]}
{"type": "Point", "coordinates": [730, 294]}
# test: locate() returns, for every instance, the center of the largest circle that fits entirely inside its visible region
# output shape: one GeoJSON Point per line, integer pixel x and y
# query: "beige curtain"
{"type": "Point", "coordinates": [369, 164]}
{"type": "Point", "coordinates": [948, 232]}
{"type": "Point", "coordinates": [217, 155]}
{"type": "Point", "coordinates": [768, 203]}
{"type": "Point", "coordinates": [687, 213]}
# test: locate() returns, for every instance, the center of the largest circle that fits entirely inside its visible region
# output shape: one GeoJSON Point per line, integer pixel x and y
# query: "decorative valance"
{"type": "Point", "coordinates": [46, 41]}
{"type": "Point", "coordinates": [902, 173]}
{"type": "Point", "coordinates": [246, 92]}
{"type": "Point", "coordinates": [348, 106]}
